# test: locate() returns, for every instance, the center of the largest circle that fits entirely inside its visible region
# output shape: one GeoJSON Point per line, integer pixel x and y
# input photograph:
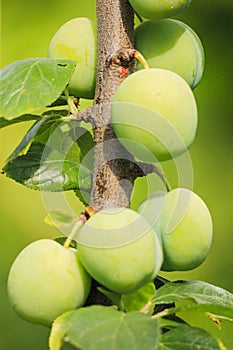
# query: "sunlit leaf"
{"type": "Point", "coordinates": [44, 169]}
{"type": "Point", "coordinates": [59, 162]}
{"type": "Point", "coordinates": [24, 118]}
{"type": "Point", "coordinates": [29, 85]}
{"type": "Point", "coordinates": [202, 296]}
{"type": "Point", "coordinates": [188, 338]}
{"type": "Point", "coordinates": [168, 323]}
{"type": "Point", "coordinates": [137, 300]}
{"type": "Point", "coordinates": [44, 125]}
{"type": "Point", "coordinates": [105, 328]}
{"type": "Point", "coordinates": [59, 218]}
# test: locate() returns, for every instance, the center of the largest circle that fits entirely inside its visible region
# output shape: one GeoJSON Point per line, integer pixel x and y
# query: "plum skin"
{"type": "Point", "coordinates": [76, 40]}
{"type": "Point", "coordinates": [157, 9]}
{"type": "Point", "coordinates": [154, 114]}
{"type": "Point", "coordinates": [185, 229]}
{"type": "Point", "coordinates": [125, 267]}
{"type": "Point", "coordinates": [47, 280]}
{"type": "Point", "coordinates": [173, 45]}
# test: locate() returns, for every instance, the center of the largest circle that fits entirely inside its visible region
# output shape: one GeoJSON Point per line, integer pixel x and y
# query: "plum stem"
{"type": "Point", "coordinates": [163, 177]}
{"type": "Point", "coordinates": [72, 107]}
{"type": "Point", "coordinates": [139, 17]}
{"type": "Point", "coordinates": [148, 308]}
{"type": "Point", "coordinates": [77, 226]}
{"type": "Point", "coordinates": [141, 59]}
{"type": "Point", "coordinates": [166, 312]}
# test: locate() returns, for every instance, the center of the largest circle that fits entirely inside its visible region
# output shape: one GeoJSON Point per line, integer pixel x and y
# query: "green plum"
{"type": "Point", "coordinates": [154, 114]}
{"type": "Point", "coordinates": [153, 9]}
{"type": "Point", "coordinates": [184, 224]}
{"type": "Point", "coordinates": [119, 249]}
{"type": "Point", "coordinates": [76, 40]}
{"type": "Point", "coordinates": [172, 45]}
{"type": "Point", "coordinates": [47, 280]}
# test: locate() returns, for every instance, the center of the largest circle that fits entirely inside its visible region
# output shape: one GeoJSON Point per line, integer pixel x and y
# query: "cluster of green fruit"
{"type": "Point", "coordinates": [154, 116]}
{"type": "Point", "coordinates": [161, 93]}
{"type": "Point", "coordinates": [154, 112]}
{"type": "Point", "coordinates": [120, 248]}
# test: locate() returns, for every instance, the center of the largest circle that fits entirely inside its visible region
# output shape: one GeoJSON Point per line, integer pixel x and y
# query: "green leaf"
{"type": "Point", "coordinates": [29, 85]}
{"type": "Point", "coordinates": [27, 140]}
{"type": "Point", "coordinates": [135, 301]}
{"type": "Point", "coordinates": [188, 338]}
{"type": "Point", "coordinates": [40, 131]}
{"type": "Point", "coordinates": [86, 145]}
{"type": "Point", "coordinates": [168, 323]}
{"type": "Point", "coordinates": [202, 296]}
{"type": "Point", "coordinates": [58, 165]}
{"type": "Point", "coordinates": [220, 329]}
{"type": "Point", "coordinates": [114, 297]}
{"type": "Point", "coordinates": [24, 118]}
{"type": "Point", "coordinates": [160, 281]}
{"type": "Point", "coordinates": [44, 169]}
{"type": "Point", "coordinates": [84, 194]}
{"type": "Point", "coordinates": [61, 101]}
{"type": "Point", "coordinates": [53, 120]}
{"type": "Point", "coordinates": [59, 218]}
{"type": "Point", "coordinates": [105, 328]}
{"type": "Point", "coordinates": [59, 330]}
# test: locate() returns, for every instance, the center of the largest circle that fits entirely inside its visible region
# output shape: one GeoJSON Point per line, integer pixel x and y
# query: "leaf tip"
{"type": "Point", "coordinates": [57, 336]}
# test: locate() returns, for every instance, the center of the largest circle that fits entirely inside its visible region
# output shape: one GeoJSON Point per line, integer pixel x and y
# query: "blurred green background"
{"type": "Point", "coordinates": [26, 30]}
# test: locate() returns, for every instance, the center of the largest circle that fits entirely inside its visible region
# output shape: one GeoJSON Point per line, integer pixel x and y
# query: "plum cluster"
{"type": "Point", "coordinates": [154, 116]}
{"type": "Point", "coordinates": [120, 248]}
{"type": "Point", "coordinates": [123, 249]}
{"type": "Point", "coordinates": [154, 111]}
{"type": "Point", "coordinates": [162, 94]}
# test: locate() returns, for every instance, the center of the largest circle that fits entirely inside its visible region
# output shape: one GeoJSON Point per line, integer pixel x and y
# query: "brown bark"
{"type": "Point", "coordinates": [114, 168]}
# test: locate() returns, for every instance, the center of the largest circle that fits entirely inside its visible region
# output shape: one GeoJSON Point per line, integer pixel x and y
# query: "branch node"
{"type": "Point", "coordinates": [87, 115]}
{"type": "Point", "coordinates": [123, 58]}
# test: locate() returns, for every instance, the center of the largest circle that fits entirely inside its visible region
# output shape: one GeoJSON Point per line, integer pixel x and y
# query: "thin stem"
{"type": "Point", "coordinates": [72, 107]}
{"type": "Point", "coordinates": [141, 59]}
{"type": "Point", "coordinates": [148, 308]}
{"type": "Point", "coordinates": [162, 279]}
{"type": "Point", "coordinates": [163, 177]}
{"type": "Point", "coordinates": [163, 313]}
{"type": "Point", "coordinates": [147, 168]}
{"type": "Point", "coordinates": [139, 17]}
{"type": "Point", "coordinates": [77, 226]}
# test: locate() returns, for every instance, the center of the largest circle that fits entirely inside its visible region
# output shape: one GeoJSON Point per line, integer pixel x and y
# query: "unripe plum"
{"type": "Point", "coordinates": [119, 249]}
{"type": "Point", "coordinates": [172, 45]}
{"type": "Point", "coordinates": [154, 114]}
{"type": "Point", "coordinates": [185, 227]}
{"type": "Point", "coordinates": [153, 9]}
{"type": "Point", "coordinates": [76, 40]}
{"type": "Point", "coordinates": [47, 280]}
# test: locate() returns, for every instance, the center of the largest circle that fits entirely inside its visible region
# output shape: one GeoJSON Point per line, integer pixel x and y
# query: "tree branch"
{"type": "Point", "coordinates": [115, 169]}
{"type": "Point", "coordinates": [112, 177]}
